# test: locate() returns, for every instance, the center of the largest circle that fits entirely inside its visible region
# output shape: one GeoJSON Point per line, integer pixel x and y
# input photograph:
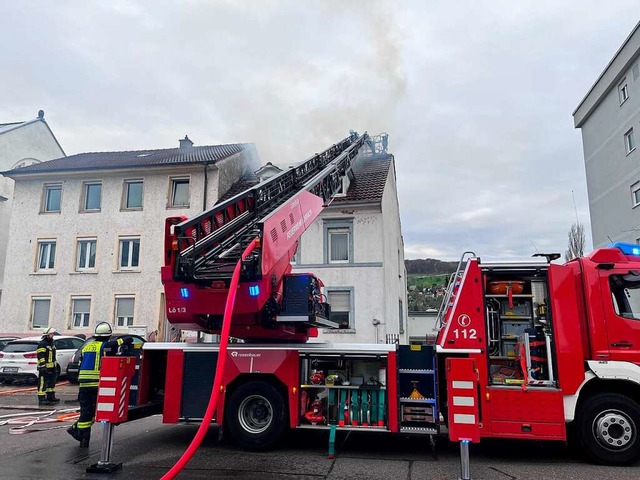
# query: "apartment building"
{"type": "Point", "coordinates": [21, 144]}
{"type": "Point", "coordinates": [86, 235]}
{"type": "Point", "coordinates": [609, 120]}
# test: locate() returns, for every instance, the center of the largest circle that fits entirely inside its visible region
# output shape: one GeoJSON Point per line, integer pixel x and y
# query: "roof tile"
{"type": "Point", "coordinates": [133, 159]}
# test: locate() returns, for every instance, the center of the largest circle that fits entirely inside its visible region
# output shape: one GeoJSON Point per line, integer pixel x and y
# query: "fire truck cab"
{"type": "Point", "coordinates": [556, 347]}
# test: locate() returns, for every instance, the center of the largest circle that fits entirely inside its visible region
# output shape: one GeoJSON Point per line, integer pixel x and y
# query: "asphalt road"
{"type": "Point", "coordinates": [148, 449]}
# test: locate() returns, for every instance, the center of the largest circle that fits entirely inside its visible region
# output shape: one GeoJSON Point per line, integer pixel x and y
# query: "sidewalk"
{"type": "Point", "coordinates": [24, 397]}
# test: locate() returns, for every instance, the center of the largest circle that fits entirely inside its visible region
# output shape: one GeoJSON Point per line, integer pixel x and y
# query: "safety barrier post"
{"type": "Point", "coordinates": [464, 414]}
{"type": "Point", "coordinates": [112, 405]}
{"type": "Point", "coordinates": [105, 465]}
{"type": "Point", "coordinates": [464, 460]}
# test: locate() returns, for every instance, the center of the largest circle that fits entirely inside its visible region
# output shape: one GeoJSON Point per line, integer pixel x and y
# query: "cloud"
{"type": "Point", "coordinates": [476, 96]}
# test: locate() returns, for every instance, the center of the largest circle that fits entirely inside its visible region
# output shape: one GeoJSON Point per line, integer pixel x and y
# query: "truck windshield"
{"type": "Point", "coordinates": [625, 292]}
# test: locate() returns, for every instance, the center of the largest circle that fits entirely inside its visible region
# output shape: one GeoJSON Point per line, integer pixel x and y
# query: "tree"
{"type": "Point", "coordinates": [576, 242]}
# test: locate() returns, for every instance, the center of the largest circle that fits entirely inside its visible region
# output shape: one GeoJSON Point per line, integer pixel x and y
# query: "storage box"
{"type": "Point", "coordinates": [514, 329]}
{"type": "Point", "coordinates": [407, 409]}
{"type": "Point", "coordinates": [519, 308]}
{"type": "Point", "coordinates": [417, 418]}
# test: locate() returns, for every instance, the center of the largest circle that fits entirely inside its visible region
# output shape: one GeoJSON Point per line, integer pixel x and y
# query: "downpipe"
{"type": "Point", "coordinates": [220, 367]}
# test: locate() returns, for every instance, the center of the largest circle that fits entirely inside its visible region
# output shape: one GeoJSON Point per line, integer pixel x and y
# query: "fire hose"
{"type": "Point", "coordinates": [27, 420]}
{"type": "Point", "coordinates": [217, 382]}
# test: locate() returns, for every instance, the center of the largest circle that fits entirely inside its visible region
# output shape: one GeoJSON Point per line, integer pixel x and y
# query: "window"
{"type": "Point", "coordinates": [132, 195]}
{"type": "Point", "coordinates": [68, 343]}
{"type": "Point", "coordinates": [629, 141]}
{"type": "Point", "coordinates": [92, 197]}
{"type": "Point", "coordinates": [295, 260]}
{"type": "Point", "coordinates": [625, 293]}
{"type": "Point", "coordinates": [86, 254]}
{"type": "Point", "coordinates": [179, 192]}
{"type": "Point", "coordinates": [124, 311]}
{"type": "Point", "coordinates": [40, 312]}
{"type": "Point", "coordinates": [52, 198]}
{"type": "Point", "coordinates": [635, 194]}
{"type": "Point", "coordinates": [401, 317]}
{"type": "Point", "coordinates": [623, 91]}
{"type": "Point", "coordinates": [338, 240]}
{"type": "Point", "coordinates": [46, 254]}
{"type": "Point", "coordinates": [129, 253]}
{"type": "Point", "coordinates": [341, 307]}
{"type": "Point", "coordinates": [338, 245]}
{"type": "Point", "coordinates": [80, 308]}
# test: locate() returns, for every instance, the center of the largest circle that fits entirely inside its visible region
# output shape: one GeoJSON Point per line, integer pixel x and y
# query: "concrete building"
{"type": "Point", "coordinates": [609, 120]}
{"type": "Point", "coordinates": [21, 144]}
{"type": "Point", "coordinates": [356, 248]}
{"type": "Point", "coordinates": [421, 327]}
{"type": "Point", "coordinates": [86, 235]}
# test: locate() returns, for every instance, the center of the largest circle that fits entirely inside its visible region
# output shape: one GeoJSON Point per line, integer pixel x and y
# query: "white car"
{"type": "Point", "coordinates": [19, 360]}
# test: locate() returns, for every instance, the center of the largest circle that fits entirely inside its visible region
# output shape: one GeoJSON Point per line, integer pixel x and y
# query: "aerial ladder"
{"type": "Point", "coordinates": [272, 304]}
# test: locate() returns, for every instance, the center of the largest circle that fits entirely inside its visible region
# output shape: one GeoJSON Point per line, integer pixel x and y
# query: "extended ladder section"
{"type": "Point", "coordinates": [207, 247]}
{"type": "Point", "coordinates": [451, 290]}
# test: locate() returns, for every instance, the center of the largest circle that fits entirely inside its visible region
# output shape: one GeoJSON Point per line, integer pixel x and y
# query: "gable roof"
{"type": "Point", "coordinates": [10, 126]}
{"type": "Point", "coordinates": [133, 159]}
{"type": "Point", "coordinates": [367, 186]}
{"type": "Point", "coordinates": [370, 178]}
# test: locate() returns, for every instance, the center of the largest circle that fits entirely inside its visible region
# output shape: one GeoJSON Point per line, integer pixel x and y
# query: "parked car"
{"type": "Point", "coordinates": [73, 367]}
{"type": "Point", "coordinates": [4, 341]}
{"type": "Point", "coordinates": [19, 360]}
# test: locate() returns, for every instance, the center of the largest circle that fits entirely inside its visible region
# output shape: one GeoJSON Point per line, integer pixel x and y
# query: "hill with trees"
{"type": "Point", "coordinates": [426, 280]}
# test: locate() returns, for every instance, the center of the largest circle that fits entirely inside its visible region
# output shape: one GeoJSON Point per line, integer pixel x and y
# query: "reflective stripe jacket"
{"type": "Point", "coordinates": [92, 354]}
{"type": "Point", "coordinates": [46, 354]}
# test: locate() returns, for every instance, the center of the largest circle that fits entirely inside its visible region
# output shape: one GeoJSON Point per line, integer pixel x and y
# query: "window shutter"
{"type": "Point", "coordinates": [340, 301]}
{"type": "Point", "coordinates": [81, 305]}
{"type": "Point", "coordinates": [41, 313]}
{"type": "Point", "coordinates": [125, 307]}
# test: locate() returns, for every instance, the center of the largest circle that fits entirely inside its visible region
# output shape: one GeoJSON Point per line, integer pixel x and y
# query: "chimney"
{"type": "Point", "coordinates": [185, 143]}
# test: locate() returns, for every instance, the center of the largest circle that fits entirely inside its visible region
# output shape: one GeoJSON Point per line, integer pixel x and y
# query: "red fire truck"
{"type": "Point", "coordinates": [525, 350]}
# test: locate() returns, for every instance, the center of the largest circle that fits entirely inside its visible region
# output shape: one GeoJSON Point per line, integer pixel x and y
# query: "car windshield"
{"type": "Point", "coordinates": [18, 347]}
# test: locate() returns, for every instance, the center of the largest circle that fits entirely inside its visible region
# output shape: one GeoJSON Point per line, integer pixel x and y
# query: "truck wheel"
{"type": "Point", "coordinates": [608, 426]}
{"type": "Point", "coordinates": [256, 415]}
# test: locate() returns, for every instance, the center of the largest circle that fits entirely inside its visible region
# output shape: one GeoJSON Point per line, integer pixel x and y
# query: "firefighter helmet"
{"type": "Point", "coordinates": [103, 329]}
{"type": "Point", "coordinates": [48, 331]}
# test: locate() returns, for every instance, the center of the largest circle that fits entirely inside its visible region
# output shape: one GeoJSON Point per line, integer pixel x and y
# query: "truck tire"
{"type": "Point", "coordinates": [608, 429]}
{"type": "Point", "coordinates": [256, 415]}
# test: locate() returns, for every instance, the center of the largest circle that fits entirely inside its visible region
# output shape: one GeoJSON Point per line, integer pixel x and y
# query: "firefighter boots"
{"type": "Point", "coordinates": [74, 432]}
{"type": "Point", "coordinates": [85, 436]}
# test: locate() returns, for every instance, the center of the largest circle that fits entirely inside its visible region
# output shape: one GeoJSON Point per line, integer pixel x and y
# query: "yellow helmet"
{"type": "Point", "coordinates": [103, 329]}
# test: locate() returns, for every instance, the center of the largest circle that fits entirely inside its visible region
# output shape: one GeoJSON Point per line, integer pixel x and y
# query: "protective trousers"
{"type": "Point", "coordinates": [47, 383]}
{"type": "Point", "coordinates": [87, 396]}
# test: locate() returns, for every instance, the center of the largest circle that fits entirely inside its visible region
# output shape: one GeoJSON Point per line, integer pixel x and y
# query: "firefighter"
{"type": "Point", "coordinates": [88, 377]}
{"type": "Point", "coordinates": [47, 369]}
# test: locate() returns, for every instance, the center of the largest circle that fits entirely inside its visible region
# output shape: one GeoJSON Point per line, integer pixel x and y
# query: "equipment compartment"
{"type": "Point", "coordinates": [346, 391]}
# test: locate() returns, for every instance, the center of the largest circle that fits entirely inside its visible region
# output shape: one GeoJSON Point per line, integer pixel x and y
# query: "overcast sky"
{"type": "Point", "coordinates": [476, 96]}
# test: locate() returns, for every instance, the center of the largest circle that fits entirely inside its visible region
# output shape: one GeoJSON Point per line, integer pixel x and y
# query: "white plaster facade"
{"type": "Point", "coordinates": [21, 143]}
{"type": "Point", "coordinates": [375, 275]}
{"type": "Point", "coordinates": [107, 281]}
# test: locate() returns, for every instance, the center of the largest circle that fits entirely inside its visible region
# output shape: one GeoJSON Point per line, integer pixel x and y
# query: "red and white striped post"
{"type": "Point", "coordinates": [464, 421]}
{"type": "Point", "coordinates": [112, 406]}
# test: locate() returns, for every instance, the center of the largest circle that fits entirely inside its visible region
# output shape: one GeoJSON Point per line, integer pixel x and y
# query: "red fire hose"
{"type": "Point", "coordinates": [217, 383]}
